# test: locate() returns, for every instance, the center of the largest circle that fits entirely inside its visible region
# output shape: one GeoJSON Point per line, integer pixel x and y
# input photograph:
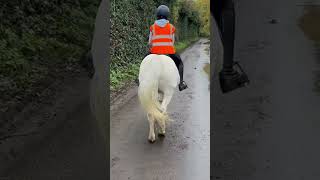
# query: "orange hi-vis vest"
{"type": "Point", "coordinates": [162, 39]}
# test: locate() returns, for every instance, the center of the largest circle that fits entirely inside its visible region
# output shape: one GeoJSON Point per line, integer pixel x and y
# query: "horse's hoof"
{"type": "Point", "coordinates": [151, 141]}
{"type": "Point", "coordinates": [162, 135]}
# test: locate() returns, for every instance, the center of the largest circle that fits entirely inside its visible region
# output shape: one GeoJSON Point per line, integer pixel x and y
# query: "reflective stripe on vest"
{"type": "Point", "coordinates": [162, 44]}
{"type": "Point", "coordinates": [161, 37]}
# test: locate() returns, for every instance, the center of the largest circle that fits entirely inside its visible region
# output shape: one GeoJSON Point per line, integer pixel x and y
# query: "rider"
{"type": "Point", "coordinates": [161, 40]}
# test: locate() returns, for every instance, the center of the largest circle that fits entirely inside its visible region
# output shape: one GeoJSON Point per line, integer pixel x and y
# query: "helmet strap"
{"type": "Point", "coordinates": [161, 17]}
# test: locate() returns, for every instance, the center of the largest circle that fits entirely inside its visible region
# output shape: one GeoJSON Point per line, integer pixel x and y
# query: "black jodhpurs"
{"type": "Point", "coordinates": [177, 60]}
{"type": "Point", "coordinates": [224, 14]}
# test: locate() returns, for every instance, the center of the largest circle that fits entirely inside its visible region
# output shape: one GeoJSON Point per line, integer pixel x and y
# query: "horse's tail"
{"type": "Point", "coordinates": [148, 96]}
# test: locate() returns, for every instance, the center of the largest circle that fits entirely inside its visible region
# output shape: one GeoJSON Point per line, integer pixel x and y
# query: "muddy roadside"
{"type": "Point", "coordinates": [40, 117]}
{"type": "Point", "coordinates": [122, 95]}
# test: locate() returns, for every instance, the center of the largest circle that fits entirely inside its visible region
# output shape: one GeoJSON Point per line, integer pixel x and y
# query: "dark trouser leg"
{"type": "Point", "coordinates": [223, 11]}
{"type": "Point", "coordinates": [177, 60]}
{"type": "Point", "coordinates": [180, 69]}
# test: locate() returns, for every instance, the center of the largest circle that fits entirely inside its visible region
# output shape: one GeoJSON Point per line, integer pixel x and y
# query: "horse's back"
{"type": "Point", "coordinates": [149, 68]}
{"type": "Point", "coordinates": [161, 67]}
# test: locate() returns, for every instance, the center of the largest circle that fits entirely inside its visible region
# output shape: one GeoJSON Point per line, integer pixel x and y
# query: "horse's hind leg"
{"type": "Point", "coordinates": [166, 100]}
{"type": "Point", "coordinates": [160, 96]}
{"type": "Point", "coordinates": [152, 136]}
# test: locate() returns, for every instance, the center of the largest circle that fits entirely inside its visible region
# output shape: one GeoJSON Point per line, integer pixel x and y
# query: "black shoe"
{"type": "Point", "coordinates": [182, 86]}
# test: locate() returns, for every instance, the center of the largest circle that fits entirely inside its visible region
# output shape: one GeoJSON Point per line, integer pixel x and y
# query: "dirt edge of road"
{"type": "Point", "coordinates": [40, 118]}
{"type": "Point", "coordinates": [123, 95]}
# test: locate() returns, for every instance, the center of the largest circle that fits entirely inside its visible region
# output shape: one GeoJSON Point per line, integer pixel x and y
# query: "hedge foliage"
{"type": "Point", "coordinates": [39, 38]}
{"type": "Point", "coordinates": [130, 22]}
{"type": "Point", "coordinates": [204, 10]}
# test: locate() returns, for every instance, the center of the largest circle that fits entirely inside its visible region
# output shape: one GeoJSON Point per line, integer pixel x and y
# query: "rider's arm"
{"type": "Point", "coordinates": [150, 37]}
{"type": "Point", "coordinates": [173, 36]}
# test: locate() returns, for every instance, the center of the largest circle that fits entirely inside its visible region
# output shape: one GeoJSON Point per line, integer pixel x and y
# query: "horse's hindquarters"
{"type": "Point", "coordinates": [157, 73]}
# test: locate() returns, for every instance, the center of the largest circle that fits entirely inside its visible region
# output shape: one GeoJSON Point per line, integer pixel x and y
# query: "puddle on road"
{"type": "Point", "coordinates": [206, 69]}
{"type": "Point", "coordinates": [310, 25]}
{"type": "Point", "coordinates": [207, 49]}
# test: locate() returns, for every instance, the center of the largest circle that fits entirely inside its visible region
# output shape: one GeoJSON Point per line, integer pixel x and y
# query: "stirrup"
{"type": "Point", "coordinates": [182, 86]}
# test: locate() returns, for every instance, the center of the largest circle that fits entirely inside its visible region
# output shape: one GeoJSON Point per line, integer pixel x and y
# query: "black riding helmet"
{"type": "Point", "coordinates": [163, 12]}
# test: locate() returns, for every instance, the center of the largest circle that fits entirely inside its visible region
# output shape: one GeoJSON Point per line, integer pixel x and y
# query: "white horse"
{"type": "Point", "coordinates": [158, 73]}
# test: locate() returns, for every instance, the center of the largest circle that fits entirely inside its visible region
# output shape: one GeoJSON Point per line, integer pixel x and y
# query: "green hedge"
{"type": "Point", "coordinates": [130, 22]}
{"type": "Point", "coordinates": [39, 38]}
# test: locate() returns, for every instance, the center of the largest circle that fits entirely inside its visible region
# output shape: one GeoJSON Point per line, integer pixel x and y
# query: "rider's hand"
{"type": "Point", "coordinates": [149, 47]}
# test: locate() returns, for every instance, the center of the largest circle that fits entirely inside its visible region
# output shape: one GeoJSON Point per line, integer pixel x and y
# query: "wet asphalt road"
{"type": "Point", "coordinates": [271, 129]}
{"type": "Point", "coordinates": [75, 151]}
{"type": "Point", "coordinates": [184, 153]}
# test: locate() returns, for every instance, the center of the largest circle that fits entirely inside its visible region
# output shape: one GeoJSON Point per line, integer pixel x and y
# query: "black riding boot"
{"type": "Point", "coordinates": [182, 84]}
{"type": "Point", "coordinates": [177, 60]}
